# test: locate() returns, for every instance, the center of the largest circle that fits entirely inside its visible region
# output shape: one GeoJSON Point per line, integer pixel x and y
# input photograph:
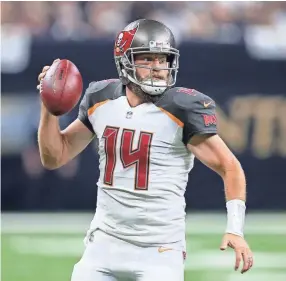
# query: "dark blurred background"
{"type": "Point", "coordinates": [234, 52]}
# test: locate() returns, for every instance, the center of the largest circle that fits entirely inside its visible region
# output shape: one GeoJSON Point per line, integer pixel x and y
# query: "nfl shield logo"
{"type": "Point", "coordinates": [129, 114]}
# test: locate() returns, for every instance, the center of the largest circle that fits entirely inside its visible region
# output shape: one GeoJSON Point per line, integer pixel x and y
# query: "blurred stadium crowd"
{"type": "Point", "coordinates": [218, 21]}
{"type": "Point", "coordinates": [233, 51]}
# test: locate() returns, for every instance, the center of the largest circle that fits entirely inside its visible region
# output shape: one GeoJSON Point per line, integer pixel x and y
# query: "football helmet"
{"type": "Point", "coordinates": [140, 37]}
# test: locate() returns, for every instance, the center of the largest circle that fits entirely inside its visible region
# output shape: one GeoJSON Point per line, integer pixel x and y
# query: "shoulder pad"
{"type": "Point", "coordinates": [190, 98]}
{"type": "Point", "coordinates": [96, 86]}
{"type": "Point", "coordinates": [195, 110]}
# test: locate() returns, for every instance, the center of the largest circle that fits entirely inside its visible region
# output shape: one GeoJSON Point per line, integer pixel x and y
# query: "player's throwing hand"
{"type": "Point", "coordinates": [43, 73]}
{"type": "Point", "coordinates": [241, 248]}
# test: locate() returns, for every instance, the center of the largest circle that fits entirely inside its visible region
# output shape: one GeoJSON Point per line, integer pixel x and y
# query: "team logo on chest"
{"type": "Point", "coordinates": [129, 114]}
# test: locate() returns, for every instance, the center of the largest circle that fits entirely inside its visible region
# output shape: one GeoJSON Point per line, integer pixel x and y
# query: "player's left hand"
{"type": "Point", "coordinates": [241, 248]}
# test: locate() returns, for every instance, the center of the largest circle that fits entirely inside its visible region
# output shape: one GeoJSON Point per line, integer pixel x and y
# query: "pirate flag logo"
{"type": "Point", "coordinates": [124, 41]}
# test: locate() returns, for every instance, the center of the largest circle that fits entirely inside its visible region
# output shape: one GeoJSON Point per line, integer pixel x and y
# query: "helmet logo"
{"type": "Point", "coordinates": [124, 41]}
{"type": "Point", "coordinates": [158, 45]}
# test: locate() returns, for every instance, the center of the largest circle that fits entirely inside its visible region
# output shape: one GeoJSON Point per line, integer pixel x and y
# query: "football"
{"type": "Point", "coordinates": [61, 88]}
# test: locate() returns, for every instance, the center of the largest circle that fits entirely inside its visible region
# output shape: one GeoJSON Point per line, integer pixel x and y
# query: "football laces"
{"type": "Point", "coordinates": [41, 85]}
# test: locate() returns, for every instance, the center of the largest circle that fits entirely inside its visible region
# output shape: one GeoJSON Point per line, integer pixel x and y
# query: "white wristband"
{"type": "Point", "coordinates": [235, 217]}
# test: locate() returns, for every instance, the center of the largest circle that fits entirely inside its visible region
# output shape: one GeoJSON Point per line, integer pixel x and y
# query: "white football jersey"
{"type": "Point", "coordinates": [143, 160]}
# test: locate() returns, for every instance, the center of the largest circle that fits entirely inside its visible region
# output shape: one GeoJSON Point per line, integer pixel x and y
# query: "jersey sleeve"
{"type": "Point", "coordinates": [200, 116]}
{"type": "Point", "coordinates": [83, 109]}
{"type": "Point", "coordinates": [96, 92]}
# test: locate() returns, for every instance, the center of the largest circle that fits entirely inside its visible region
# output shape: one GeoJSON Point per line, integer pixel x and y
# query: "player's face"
{"type": "Point", "coordinates": [155, 61]}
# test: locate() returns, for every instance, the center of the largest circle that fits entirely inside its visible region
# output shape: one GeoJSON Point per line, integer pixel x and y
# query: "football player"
{"type": "Point", "coordinates": [148, 132]}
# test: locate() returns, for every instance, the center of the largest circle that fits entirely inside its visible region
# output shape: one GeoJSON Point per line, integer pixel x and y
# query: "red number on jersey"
{"type": "Point", "coordinates": [140, 157]}
{"type": "Point", "coordinates": [110, 136]}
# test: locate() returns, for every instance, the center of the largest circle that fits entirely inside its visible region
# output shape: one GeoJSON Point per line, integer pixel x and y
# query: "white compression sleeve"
{"type": "Point", "coordinates": [235, 216]}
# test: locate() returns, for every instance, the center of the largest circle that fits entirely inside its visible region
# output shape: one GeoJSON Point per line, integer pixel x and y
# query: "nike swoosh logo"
{"type": "Point", "coordinates": [163, 249]}
{"type": "Point", "coordinates": [207, 104]}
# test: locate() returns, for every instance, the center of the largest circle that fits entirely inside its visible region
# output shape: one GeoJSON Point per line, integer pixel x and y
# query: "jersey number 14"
{"type": "Point", "coordinates": [139, 157]}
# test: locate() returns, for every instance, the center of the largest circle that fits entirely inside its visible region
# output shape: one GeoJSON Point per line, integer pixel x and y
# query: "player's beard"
{"type": "Point", "coordinates": [136, 89]}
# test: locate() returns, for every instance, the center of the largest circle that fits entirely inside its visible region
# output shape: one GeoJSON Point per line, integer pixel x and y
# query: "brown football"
{"type": "Point", "coordinates": [61, 88]}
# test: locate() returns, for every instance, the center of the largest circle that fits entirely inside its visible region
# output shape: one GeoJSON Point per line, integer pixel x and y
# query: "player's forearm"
{"type": "Point", "coordinates": [51, 143]}
{"type": "Point", "coordinates": [234, 181]}
{"type": "Point", "coordinates": [235, 193]}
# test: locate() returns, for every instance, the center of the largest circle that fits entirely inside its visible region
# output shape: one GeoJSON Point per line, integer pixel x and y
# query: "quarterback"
{"type": "Point", "coordinates": [148, 132]}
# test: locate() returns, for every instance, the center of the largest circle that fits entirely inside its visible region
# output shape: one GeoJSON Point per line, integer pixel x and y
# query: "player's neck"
{"type": "Point", "coordinates": [132, 98]}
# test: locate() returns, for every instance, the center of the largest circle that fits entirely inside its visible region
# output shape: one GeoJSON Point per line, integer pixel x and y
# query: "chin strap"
{"type": "Point", "coordinates": [154, 91]}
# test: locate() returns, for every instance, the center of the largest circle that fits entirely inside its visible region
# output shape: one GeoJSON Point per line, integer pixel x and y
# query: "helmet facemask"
{"type": "Point", "coordinates": [151, 86]}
